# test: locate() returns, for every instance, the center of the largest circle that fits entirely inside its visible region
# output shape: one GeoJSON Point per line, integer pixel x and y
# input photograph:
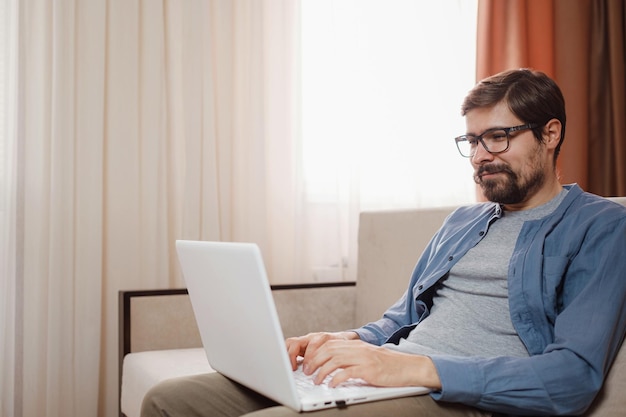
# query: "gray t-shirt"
{"type": "Point", "coordinates": [470, 312]}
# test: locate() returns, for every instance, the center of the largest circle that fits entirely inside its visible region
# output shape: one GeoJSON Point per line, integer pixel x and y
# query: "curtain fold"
{"type": "Point", "coordinates": [572, 46]}
{"type": "Point", "coordinates": [509, 33]}
{"type": "Point", "coordinates": [61, 120]}
{"type": "Point", "coordinates": [581, 45]}
{"type": "Point", "coordinates": [607, 102]}
{"type": "Point", "coordinates": [10, 290]}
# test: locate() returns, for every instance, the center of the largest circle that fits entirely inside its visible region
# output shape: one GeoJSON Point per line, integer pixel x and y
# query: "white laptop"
{"type": "Point", "coordinates": [241, 333]}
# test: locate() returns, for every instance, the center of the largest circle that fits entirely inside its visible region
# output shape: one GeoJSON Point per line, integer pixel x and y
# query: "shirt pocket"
{"type": "Point", "coordinates": [554, 268]}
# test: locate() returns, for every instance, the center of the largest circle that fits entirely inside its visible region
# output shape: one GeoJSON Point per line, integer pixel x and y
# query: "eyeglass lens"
{"type": "Point", "coordinates": [494, 141]}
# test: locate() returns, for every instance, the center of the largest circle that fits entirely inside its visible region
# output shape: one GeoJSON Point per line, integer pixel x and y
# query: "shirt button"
{"type": "Point", "coordinates": [450, 258]}
{"type": "Point", "coordinates": [420, 287]}
{"type": "Point", "coordinates": [481, 233]}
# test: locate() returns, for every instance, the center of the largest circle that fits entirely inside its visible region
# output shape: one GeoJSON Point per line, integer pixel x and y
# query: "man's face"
{"type": "Point", "coordinates": [512, 177]}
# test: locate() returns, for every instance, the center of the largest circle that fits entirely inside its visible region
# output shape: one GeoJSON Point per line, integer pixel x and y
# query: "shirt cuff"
{"type": "Point", "coordinates": [461, 380]}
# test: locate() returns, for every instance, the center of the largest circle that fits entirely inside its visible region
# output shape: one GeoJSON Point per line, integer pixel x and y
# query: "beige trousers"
{"type": "Point", "coordinates": [212, 395]}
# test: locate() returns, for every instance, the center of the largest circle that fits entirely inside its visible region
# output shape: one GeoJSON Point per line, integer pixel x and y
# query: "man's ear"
{"type": "Point", "coordinates": [552, 133]}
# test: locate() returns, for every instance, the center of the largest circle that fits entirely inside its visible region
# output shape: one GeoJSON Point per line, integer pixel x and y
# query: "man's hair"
{"type": "Point", "coordinates": [532, 96]}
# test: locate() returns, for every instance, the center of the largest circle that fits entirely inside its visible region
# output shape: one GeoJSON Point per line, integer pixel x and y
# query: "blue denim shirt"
{"type": "Point", "coordinates": [567, 300]}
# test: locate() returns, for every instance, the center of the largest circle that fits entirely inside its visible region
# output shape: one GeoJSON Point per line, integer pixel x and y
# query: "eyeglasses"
{"type": "Point", "coordinates": [494, 140]}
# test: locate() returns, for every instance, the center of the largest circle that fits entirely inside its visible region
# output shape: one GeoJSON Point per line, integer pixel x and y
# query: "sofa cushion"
{"type": "Point", "coordinates": [143, 370]}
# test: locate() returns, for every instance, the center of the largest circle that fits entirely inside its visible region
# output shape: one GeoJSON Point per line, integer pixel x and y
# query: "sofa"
{"type": "Point", "coordinates": [159, 338]}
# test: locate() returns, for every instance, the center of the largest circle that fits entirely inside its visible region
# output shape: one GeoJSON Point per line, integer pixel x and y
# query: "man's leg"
{"type": "Point", "coordinates": [205, 395]}
{"type": "Point", "coordinates": [419, 406]}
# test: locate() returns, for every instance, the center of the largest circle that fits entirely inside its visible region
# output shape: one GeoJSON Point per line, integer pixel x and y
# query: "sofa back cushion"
{"type": "Point", "coordinates": [390, 243]}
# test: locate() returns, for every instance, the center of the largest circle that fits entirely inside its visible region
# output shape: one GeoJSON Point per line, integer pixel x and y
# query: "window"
{"type": "Point", "coordinates": [382, 86]}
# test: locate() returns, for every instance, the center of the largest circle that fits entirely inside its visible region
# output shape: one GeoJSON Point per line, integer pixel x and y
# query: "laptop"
{"type": "Point", "coordinates": [241, 333]}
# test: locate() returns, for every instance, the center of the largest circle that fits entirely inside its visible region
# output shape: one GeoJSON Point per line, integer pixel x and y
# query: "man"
{"type": "Point", "coordinates": [515, 307]}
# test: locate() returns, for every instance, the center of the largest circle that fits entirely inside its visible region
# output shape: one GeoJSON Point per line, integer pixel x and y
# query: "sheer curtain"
{"type": "Point", "coordinates": [382, 86]}
{"type": "Point", "coordinates": [141, 122]}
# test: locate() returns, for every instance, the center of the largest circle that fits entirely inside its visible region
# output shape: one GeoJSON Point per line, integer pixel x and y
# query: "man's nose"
{"type": "Point", "coordinates": [481, 155]}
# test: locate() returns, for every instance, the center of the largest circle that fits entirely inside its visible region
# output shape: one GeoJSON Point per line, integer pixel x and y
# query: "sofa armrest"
{"type": "Point", "coordinates": [156, 320]}
{"type": "Point", "coordinates": [164, 319]}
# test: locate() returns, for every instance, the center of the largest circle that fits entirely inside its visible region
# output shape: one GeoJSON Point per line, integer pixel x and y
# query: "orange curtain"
{"type": "Point", "coordinates": [509, 32]}
{"type": "Point", "coordinates": [607, 102]}
{"type": "Point", "coordinates": [579, 43]}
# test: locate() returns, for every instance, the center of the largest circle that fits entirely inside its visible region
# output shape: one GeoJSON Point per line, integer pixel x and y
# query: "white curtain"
{"type": "Point", "coordinates": [133, 123]}
{"type": "Point", "coordinates": [141, 122]}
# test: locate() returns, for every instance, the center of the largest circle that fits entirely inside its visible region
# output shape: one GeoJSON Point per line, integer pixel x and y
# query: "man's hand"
{"type": "Point", "coordinates": [305, 346]}
{"type": "Point", "coordinates": [325, 353]}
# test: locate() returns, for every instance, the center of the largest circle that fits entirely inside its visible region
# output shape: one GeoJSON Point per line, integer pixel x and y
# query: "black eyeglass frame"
{"type": "Point", "coordinates": [479, 138]}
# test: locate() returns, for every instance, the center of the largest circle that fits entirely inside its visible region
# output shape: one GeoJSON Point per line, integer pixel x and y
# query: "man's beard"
{"type": "Point", "coordinates": [513, 189]}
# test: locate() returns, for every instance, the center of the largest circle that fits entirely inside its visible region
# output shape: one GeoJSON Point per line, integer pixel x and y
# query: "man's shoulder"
{"type": "Point", "coordinates": [590, 214]}
{"type": "Point", "coordinates": [590, 203]}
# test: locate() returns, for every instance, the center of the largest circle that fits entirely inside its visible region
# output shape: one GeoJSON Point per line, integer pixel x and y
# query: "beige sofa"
{"type": "Point", "coordinates": [159, 338]}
